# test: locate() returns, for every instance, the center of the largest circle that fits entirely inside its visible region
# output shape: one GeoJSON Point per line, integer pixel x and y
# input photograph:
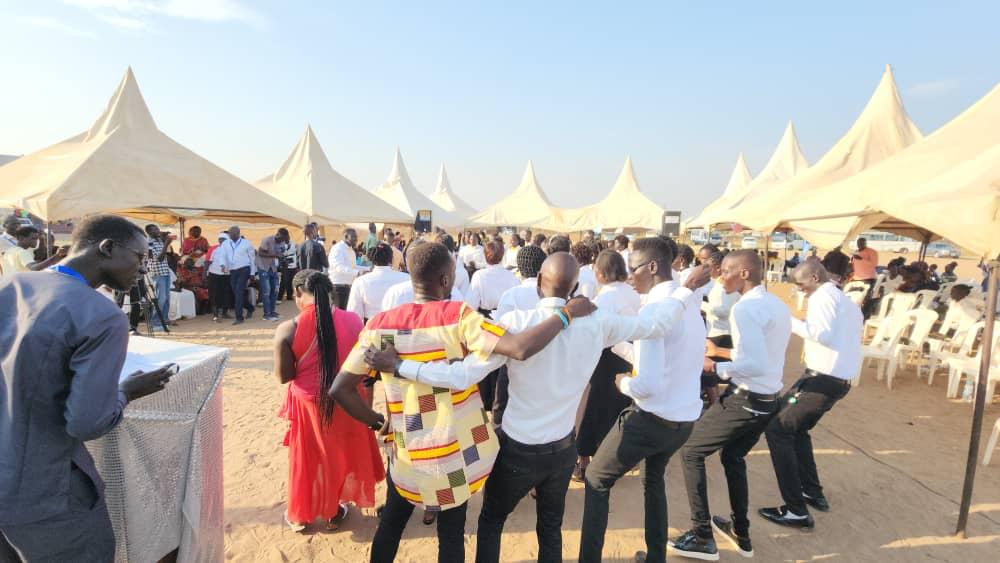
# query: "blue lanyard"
{"type": "Point", "coordinates": [67, 271]}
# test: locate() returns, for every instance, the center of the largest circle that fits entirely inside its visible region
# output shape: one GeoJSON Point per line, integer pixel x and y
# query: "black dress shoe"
{"type": "Point", "coordinates": [692, 545]}
{"type": "Point", "coordinates": [782, 517]}
{"type": "Point", "coordinates": [818, 502]}
{"type": "Point", "coordinates": [725, 529]}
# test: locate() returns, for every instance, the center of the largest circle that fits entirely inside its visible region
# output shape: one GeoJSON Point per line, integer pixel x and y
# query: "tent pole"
{"type": "Point", "coordinates": [48, 237]}
{"type": "Point", "coordinates": [977, 412]}
{"type": "Point", "coordinates": [767, 257]}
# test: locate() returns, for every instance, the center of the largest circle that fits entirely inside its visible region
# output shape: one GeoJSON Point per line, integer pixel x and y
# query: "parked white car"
{"type": "Point", "coordinates": [749, 243]}
{"type": "Point", "coordinates": [942, 249]}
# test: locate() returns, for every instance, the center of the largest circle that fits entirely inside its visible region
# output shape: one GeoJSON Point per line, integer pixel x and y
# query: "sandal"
{"type": "Point", "coordinates": [295, 527]}
{"type": "Point", "coordinates": [429, 518]}
{"type": "Point", "coordinates": [333, 524]}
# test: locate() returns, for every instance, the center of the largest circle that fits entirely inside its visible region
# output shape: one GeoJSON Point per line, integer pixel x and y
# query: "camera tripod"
{"type": "Point", "coordinates": [142, 298]}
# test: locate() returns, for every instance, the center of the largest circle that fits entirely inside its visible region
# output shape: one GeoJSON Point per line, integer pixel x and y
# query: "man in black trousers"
{"type": "Point", "coordinates": [832, 348]}
{"type": "Point", "coordinates": [760, 325]}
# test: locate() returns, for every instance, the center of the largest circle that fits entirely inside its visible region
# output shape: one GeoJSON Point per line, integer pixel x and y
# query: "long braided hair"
{"type": "Point", "coordinates": [320, 287]}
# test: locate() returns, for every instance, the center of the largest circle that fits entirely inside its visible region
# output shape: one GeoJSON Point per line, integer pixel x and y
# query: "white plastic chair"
{"type": "Point", "coordinates": [924, 299]}
{"type": "Point", "coordinates": [959, 345]}
{"type": "Point", "coordinates": [856, 291]}
{"type": "Point", "coordinates": [960, 367]}
{"type": "Point", "coordinates": [883, 347]}
{"type": "Point", "coordinates": [912, 346]}
{"type": "Point", "coordinates": [893, 303]}
{"type": "Point", "coordinates": [992, 443]}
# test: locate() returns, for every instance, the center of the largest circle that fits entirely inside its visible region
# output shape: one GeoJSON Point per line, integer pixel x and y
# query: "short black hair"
{"type": "Point", "coordinates": [284, 232]}
{"type": "Point", "coordinates": [150, 227]}
{"type": "Point", "coordinates": [559, 243]}
{"type": "Point", "coordinates": [26, 231]}
{"type": "Point", "coordinates": [380, 254]}
{"type": "Point", "coordinates": [711, 248]}
{"type": "Point", "coordinates": [448, 241]}
{"type": "Point", "coordinates": [583, 253]}
{"type": "Point", "coordinates": [655, 248]}
{"type": "Point", "coordinates": [686, 254]}
{"type": "Point", "coordinates": [623, 240]}
{"type": "Point", "coordinates": [538, 240]}
{"type": "Point", "coordinates": [428, 260]}
{"type": "Point", "coordinates": [611, 265]}
{"type": "Point", "coordinates": [92, 230]}
{"type": "Point", "coordinates": [529, 261]}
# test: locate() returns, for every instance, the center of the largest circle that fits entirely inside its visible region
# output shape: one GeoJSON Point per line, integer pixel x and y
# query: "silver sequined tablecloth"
{"type": "Point", "coordinates": [162, 465]}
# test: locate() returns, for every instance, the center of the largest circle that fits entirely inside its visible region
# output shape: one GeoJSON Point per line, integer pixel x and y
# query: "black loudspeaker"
{"type": "Point", "coordinates": [422, 223]}
{"type": "Point", "coordinates": [671, 224]}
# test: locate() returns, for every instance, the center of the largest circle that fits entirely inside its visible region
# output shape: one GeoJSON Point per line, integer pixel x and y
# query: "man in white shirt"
{"type": "Point", "coordinates": [666, 393]}
{"type": "Point", "coordinates": [490, 283]}
{"type": "Point", "coordinates": [510, 257]}
{"type": "Point", "coordinates": [832, 349]}
{"type": "Point", "coordinates": [621, 246]}
{"type": "Point", "coordinates": [237, 257]}
{"type": "Point", "coordinates": [344, 267]}
{"type": "Point", "coordinates": [761, 326]}
{"type": "Point", "coordinates": [524, 296]}
{"type": "Point", "coordinates": [402, 293]}
{"type": "Point", "coordinates": [537, 449]}
{"type": "Point", "coordinates": [461, 274]}
{"type": "Point", "coordinates": [472, 255]}
{"type": "Point", "coordinates": [7, 239]}
{"type": "Point", "coordinates": [369, 290]}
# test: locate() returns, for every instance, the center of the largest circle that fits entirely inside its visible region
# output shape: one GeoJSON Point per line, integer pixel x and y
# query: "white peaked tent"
{"type": "Point", "coordinates": [125, 165]}
{"type": "Point", "coordinates": [398, 190]}
{"type": "Point", "coordinates": [308, 182]}
{"type": "Point", "coordinates": [786, 162]}
{"type": "Point", "coordinates": [446, 199]}
{"type": "Point", "coordinates": [882, 130]}
{"type": "Point", "coordinates": [626, 207]}
{"type": "Point", "coordinates": [736, 188]}
{"type": "Point", "coordinates": [946, 185]}
{"type": "Point", "coordinates": [526, 206]}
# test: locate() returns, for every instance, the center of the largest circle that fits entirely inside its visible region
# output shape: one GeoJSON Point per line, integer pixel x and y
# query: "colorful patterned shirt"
{"type": "Point", "coordinates": [444, 444]}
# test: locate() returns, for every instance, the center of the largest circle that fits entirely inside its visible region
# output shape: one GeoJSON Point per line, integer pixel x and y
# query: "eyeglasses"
{"type": "Point", "coordinates": [643, 265]}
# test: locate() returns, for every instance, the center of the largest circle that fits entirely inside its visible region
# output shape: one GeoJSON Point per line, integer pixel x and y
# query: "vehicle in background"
{"type": "Point", "coordinates": [887, 242]}
{"type": "Point", "coordinates": [943, 249]}
{"type": "Point", "coordinates": [786, 241]}
{"type": "Point", "coordinates": [748, 243]}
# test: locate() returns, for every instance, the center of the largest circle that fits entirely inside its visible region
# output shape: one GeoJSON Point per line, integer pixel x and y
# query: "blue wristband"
{"type": "Point", "coordinates": [562, 317]}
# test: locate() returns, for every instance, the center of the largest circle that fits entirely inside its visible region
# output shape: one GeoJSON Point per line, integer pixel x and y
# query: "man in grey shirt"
{"type": "Point", "coordinates": [62, 348]}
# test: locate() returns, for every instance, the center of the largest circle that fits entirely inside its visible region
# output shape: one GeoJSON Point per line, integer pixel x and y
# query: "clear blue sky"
{"type": "Point", "coordinates": [682, 87]}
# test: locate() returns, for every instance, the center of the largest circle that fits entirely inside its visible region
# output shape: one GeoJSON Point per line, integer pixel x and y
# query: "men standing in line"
{"type": "Point", "coordinates": [270, 252]}
{"type": "Point", "coordinates": [62, 348]}
{"type": "Point", "coordinates": [666, 389]}
{"type": "Point", "coordinates": [311, 253]}
{"type": "Point", "coordinates": [238, 259]}
{"type": "Point", "coordinates": [537, 442]}
{"type": "Point", "coordinates": [832, 348]}
{"type": "Point", "coordinates": [159, 272]}
{"type": "Point", "coordinates": [444, 446]}
{"type": "Point", "coordinates": [761, 326]}
{"type": "Point", "coordinates": [344, 267]}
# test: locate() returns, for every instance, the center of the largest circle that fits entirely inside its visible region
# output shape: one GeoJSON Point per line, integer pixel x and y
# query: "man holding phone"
{"type": "Point", "coordinates": [62, 348]}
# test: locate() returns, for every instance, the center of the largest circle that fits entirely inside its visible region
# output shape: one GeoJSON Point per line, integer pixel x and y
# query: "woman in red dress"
{"type": "Point", "coordinates": [332, 458]}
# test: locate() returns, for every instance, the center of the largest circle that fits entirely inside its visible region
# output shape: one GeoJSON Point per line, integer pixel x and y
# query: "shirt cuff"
{"type": "Point", "coordinates": [681, 294]}
{"type": "Point", "coordinates": [122, 399]}
{"type": "Point", "coordinates": [409, 369]}
{"type": "Point", "coordinates": [722, 370]}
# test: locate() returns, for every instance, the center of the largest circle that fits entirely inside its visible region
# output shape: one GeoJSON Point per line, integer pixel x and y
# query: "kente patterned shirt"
{"type": "Point", "coordinates": [444, 445]}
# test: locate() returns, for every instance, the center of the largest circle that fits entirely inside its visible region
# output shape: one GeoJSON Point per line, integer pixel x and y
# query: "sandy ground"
{"type": "Point", "coordinates": [891, 461]}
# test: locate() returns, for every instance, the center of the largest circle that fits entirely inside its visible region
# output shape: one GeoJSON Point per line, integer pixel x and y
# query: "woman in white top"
{"type": "Point", "coordinates": [367, 291]}
{"type": "Point", "coordinates": [587, 282]}
{"type": "Point", "coordinates": [603, 401]}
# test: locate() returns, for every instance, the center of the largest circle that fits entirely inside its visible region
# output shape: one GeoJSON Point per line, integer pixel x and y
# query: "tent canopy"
{"type": "Point", "coordinates": [308, 182]}
{"type": "Point", "coordinates": [123, 164]}
{"type": "Point", "coordinates": [946, 185]}
{"type": "Point", "coordinates": [398, 191]}
{"type": "Point", "coordinates": [446, 198]}
{"type": "Point", "coordinates": [736, 188]}
{"type": "Point", "coordinates": [625, 207]}
{"type": "Point", "coordinates": [526, 206]}
{"type": "Point", "coordinates": [786, 162]}
{"type": "Point", "coordinates": [882, 130]}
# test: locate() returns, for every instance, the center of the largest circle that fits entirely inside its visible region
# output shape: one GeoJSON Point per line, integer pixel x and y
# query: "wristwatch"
{"type": "Point", "coordinates": [378, 426]}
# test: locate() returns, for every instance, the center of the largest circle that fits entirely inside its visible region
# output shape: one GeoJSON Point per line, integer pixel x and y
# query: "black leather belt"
{"type": "Point", "coordinates": [550, 448]}
{"type": "Point", "coordinates": [813, 373]}
{"type": "Point", "coordinates": [765, 397]}
{"type": "Point", "coordinates": [661, 421]}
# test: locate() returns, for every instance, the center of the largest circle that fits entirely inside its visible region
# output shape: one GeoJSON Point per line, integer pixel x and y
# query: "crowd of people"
{"type": "Point", "coordinates": [507, 368]}
{"type": "Point", "coordinates": [510, 368]}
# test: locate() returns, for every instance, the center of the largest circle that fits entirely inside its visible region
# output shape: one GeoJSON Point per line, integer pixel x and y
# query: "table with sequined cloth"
{"type": "Point", "coordinates": [162, 466]}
